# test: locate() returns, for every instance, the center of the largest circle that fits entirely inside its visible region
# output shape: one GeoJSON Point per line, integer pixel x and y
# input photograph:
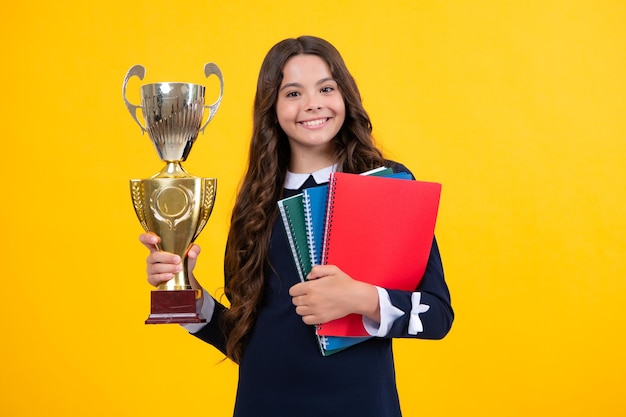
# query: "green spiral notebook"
{"type": "Point", "coordinates": [292, 214]}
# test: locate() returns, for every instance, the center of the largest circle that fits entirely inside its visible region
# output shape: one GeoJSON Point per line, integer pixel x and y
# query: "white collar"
{"type": "Point", "coordinates": [294, 181]}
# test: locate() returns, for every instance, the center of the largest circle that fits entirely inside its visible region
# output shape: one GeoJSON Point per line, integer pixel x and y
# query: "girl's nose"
{"type": "Point", "coordinates": [314, 103]}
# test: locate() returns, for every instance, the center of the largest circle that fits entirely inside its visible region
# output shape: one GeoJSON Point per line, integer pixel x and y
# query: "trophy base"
{"type": "Point", "coordinates": [173, 306]}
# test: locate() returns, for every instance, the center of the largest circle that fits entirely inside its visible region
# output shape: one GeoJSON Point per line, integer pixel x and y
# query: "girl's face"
{"type": "Point", "coordinates": [310, 107]}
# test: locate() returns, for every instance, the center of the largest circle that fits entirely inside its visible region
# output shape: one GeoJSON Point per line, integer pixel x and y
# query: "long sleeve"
{"type": "Point", "coordinates": [425, 313]}
{"type": "Point", "coordinates": [212, 332]}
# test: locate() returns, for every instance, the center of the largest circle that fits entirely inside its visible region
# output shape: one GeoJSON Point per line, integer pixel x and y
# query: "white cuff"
{"type": "Point", "coordinates": [206, 308]}
{"type": "Point", "coordinates": [415, 323]}
{"type": "Point", "coordinates": [388, 315]}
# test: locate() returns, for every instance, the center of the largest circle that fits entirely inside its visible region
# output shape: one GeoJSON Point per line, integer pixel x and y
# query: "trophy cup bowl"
{"type": "Point", "coordinates": [173, 204]}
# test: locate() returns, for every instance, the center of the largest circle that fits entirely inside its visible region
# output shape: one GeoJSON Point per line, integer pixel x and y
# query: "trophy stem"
{"type": "Point", "coordinates": [179, 282]}
{"type": "Point", "coordinates": [173, 169]}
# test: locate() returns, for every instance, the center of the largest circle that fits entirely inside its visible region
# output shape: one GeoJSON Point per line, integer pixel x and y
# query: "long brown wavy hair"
{"type": "Point", "coordinates": [255, 211]}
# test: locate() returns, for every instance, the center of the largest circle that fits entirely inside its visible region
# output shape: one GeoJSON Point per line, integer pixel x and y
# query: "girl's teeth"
{"type": "Point", "coordinates": [314, 122]}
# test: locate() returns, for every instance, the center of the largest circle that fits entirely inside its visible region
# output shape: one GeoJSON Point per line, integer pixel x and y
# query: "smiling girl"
{"type": "Point", "coordinates": [308, 122]}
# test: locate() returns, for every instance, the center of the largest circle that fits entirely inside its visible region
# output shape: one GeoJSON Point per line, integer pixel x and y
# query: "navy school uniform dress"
{"type": "Point", "coordinates": [282, 372]}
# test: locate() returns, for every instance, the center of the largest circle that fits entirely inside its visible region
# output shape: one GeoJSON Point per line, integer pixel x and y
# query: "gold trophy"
{"type": "Point", "coordinates": [173, 204]}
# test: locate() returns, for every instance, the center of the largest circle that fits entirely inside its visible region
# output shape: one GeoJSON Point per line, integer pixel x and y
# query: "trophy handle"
{"type": "Point", "coordinates": [137, 194]}
{"type": "Point", "coordinates": [209, 69]}
{"type": "Point", "coordinates": [209, 186]}
{"type": "Point", "coordinates": [135, 71]}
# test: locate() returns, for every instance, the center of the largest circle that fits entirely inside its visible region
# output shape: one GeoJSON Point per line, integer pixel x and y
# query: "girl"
{"type": "Point", "coordinates": [308, 122]}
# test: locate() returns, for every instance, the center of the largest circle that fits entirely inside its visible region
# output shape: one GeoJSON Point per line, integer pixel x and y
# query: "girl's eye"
{"type": "Point", "coordinates": [327, 89]}
{"type": "Point", "coordinates": [293, 94]}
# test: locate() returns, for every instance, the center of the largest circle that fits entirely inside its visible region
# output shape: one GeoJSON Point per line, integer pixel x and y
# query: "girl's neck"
{"type": "Point", "coordinates": [306, 163]}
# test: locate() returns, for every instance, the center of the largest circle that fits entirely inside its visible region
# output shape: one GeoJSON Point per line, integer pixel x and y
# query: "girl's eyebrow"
{"type": "Point", "coordinates": [298, 85]}
{"type": "Point", "coordinates": [289, 85]}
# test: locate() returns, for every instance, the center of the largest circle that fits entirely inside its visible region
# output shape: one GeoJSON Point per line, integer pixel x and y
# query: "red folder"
{"type": "Point", "coordinates": [378, 230]}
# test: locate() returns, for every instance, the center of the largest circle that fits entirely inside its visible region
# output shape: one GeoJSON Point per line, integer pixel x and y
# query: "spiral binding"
{"type": "Point", "coordinates": [329, 218]}
{"type": "Point", "coordinates": [293, 244]}
{"type": "Point", "coordinates": [306, 202]}
{"type": "Point", "coordinates": [323, 340]}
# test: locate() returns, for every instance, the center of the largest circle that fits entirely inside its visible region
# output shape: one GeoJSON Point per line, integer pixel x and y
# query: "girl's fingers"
{"type": "Point", "coordinates": [160, 257]}
{"type": "Point", "coordinates": [161, 266]}
{"type": "Point", "coordinates": [149, 240]}
{"type": "Point", "coordinates": [158, 279]}
{"type": "Point", "coordinates": [194, 251]}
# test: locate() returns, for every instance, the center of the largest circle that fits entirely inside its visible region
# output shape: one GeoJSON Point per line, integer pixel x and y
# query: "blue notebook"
{"type": "Point", "coordinates": [334, 344]}
{"type": "Point", "coordinates": [314, 201]}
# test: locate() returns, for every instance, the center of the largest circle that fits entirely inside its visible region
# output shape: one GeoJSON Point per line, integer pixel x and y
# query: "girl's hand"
{"type": "Point", "coordinates": [329, 294]}
{"type": "Point", "coordinates": [161, 266]}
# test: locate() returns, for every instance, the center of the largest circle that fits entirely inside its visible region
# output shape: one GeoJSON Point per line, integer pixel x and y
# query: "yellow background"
{"type": "Point", "coordinates": [517, 107]}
